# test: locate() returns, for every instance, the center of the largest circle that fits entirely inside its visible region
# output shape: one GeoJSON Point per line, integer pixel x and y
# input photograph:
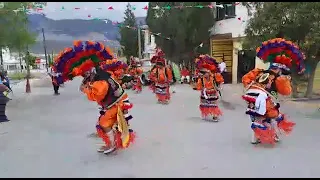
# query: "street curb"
{"type": "Point", "coordinates": [305, 99]}
{"type": "Point", "coordinates": [24, 81]}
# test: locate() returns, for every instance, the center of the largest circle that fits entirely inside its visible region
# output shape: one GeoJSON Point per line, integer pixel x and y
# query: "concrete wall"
{"type": "Point", "coordinates": [149, 44]}
{"type": "Point", "coordinates": [233, 25]}
{"type": "Point", "coordinates": [237, 45]}
{"type": "Point", "coordinates": [260, 64]}
{"type": "Point", "coordinates": [11, 61]}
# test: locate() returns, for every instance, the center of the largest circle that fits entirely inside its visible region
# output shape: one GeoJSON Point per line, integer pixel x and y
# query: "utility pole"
{"type": "Point", "coordinates": [139, 43]}
{"type": "Point", "coordinates": [45, 48]}
{"type": "Point", "coordinates": [27, 61]}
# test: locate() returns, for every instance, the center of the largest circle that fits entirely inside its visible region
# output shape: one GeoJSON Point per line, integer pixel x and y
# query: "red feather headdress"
{"type": "Point", "coordinates": [281, 54]}
{"type": "Point", "coordinates": [82, 57]}
{"type": "Point", "coordinates": [208, 63]}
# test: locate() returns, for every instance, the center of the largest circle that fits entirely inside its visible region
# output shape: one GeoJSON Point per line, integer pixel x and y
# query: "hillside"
{"type": "Point", "coordinates": [61, 33]}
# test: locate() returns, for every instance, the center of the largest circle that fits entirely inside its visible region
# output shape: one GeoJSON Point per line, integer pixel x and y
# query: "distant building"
{"type": "Point", "coordinates": [226, 40]}
{"type": "Point", "coordinates": [11, 62]}
{"type": "Point", "coordinates": [149, 43]}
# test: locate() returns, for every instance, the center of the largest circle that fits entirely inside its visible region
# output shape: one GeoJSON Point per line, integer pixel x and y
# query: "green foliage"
{"type": "Point", "coordinates": [17, 75]}
{"type": "Point", "coordinates": [186, 27]}
{"type": "Point", "coordinates": [295, 21]}
{"type": "Point", "coordinates": [13, 21]}
{"type": "Point", "coordinates": [50, 59]}
{"type": "Point", "coordinates": [30, 59]}
{"type": "Point", "coordinates": [129, 36]}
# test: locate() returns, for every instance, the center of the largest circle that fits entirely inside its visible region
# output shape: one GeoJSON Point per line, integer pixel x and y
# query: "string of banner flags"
{"type": "Point", "coordinates": [39, 8]}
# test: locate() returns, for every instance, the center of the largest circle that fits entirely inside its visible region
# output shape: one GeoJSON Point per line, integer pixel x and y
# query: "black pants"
{"type": "Point", "coordinates": [3, 103]}
{"type": "Point", "coordinates": [55, 87]}
{"type": "Point", "coordinates": [224, 76]}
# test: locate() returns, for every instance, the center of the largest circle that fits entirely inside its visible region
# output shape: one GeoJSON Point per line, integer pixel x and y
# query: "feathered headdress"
{"type": "Point", "coordinates": [281, 54]}
{"type": "Point", "coordinates": [82, 57]}
{"type": "Point", "coordinates": [208, 63]}
{"type": "Point", "coordinates": [158, 57]}
{"type": "Point", "coordinates": [113, 65]}
{"type": "Point", "coordinates": [159, 52]}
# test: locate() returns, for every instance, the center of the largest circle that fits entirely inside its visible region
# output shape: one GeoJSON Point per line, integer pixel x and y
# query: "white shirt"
{"type": "Point", "coordinates": [261, 101]}
{"type": "Point", "coordinates": [222, 67]}
{"type": "Point", "coordinates": [52, 73]}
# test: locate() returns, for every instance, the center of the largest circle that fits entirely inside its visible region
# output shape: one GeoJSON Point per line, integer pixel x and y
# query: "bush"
{"type": "Point", "coordinates": [17, 75]}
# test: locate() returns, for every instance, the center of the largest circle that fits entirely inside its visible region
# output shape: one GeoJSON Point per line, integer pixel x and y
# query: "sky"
{"type": "Point", "coordinates": [54, 10]}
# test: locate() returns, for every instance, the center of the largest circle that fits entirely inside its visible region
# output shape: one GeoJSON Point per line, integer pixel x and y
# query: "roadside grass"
{"type": "Point", "coordinates": [316, 83]}
{"type": "Point", "coordinates": [17, 75]}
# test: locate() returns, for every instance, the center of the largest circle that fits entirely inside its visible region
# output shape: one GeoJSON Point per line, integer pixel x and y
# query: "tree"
{"type": "Point", "coordinates": [129, 36]}
{"type": "Point", "coordinates": [298, 22]}
{"type": "Point", "coordinates": [50, 59]}
{"type": "Point", "coordinates": [186, 27]}
{"type": "Point", "coordinates": [30, 59]}
{"type": "Point", "coordinates": [13, 22]}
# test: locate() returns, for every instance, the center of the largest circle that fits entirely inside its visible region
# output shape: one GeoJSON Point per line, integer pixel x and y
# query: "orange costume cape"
{"type": "Point", "coordinates": [96, 63]}
{"type": "Point", "coordinates": [97, 91]}
{"type": "Point", "coordinates": [136, 72]}
{"type": "Point", "coordinates": [162, 77]}
{"type": "Point", "coordinates": [208, 86]}
{"type": "Point", "coordinates": [263, 87]}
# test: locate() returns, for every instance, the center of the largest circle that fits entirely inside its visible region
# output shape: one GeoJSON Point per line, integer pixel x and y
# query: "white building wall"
{"type": "Point", "coordinates": [11, 62]}
{"type": "Point", "coordinates": [149, 44]}
{"type": "Point", "coordinates": [237, 28]}
{"type": "Point", "coordinates": [233, 25]}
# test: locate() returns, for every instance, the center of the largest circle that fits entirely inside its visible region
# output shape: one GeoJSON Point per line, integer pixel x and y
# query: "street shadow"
{"type": "Point", "coordinates": [313, 115]}
{"type": "Point", "coordinates": [200, 120]}
{"type": "Point", "coordinates": [227, 105]}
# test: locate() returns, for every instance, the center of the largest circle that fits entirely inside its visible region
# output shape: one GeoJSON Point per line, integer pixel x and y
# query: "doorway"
{"type": "Point", "coordinates": [246, 63]}
{"type": "Point", "coordinates": [222, 50]}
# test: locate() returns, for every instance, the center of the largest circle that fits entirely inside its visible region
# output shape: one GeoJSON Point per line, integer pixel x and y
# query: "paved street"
{"type": "Point", "coordinates": [48, 137]}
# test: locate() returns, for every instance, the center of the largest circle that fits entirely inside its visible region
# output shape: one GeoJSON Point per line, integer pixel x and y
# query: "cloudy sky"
{"type": "Point", "coordinates": [90, 10]}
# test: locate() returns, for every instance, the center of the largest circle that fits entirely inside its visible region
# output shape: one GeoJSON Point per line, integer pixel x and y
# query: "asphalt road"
{"type": "Point", "coordinates": [48, 137]}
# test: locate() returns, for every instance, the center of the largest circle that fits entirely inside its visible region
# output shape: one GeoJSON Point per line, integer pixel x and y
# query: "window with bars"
{"type": "Point", "coordinates": [228, 10]}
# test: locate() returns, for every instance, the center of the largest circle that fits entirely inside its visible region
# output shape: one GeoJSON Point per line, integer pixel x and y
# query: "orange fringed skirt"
{"type": "Point", "coordinates": [137, 85]}
{"type": "Point", "coordinates": [112, 114]}
{"type": "Point", "coordinates": [162, 92]}
{"type": "Point", "coordinates": [284, 124]}
{"type": "Point", "coordinates": [152, 87]}
{"type": "Point", "coordinates": [209, 106]}
{"type": "Point", "coordinates": [117, 139]}
{"type": "Point", "coordinates": [264, 132]}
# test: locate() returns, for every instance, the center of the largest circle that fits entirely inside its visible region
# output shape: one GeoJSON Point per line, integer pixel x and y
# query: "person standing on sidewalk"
{"type": "Point", "coordinates": [223, 68]}
{"type": "Point", "coordinates": [52, 74]}
{"type": "Point", "coordinates": [6, 80]}
{"type": "Point", "coordinates": [3, 99]}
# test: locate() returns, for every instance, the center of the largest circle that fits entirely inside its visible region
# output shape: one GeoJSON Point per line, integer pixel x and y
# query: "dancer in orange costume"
{"type": "Point", "coordinates": [263, 87]}
{"type": "Point", "coordinates": [117, 69]}
{"type": "Point", "coordinates": [162, 77]}
{"type": "Point", "coordinates": [135, 71]}
{"type": "Point", "coordinates": [152, 84]}
{"type": "Point", "coordinates": [209, 84]}
{"type": "Point", "coordinates": [86, 59]}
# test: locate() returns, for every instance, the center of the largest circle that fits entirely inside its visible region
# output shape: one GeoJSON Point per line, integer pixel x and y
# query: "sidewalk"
{"type": "Point", "coordinates": [41, 84]}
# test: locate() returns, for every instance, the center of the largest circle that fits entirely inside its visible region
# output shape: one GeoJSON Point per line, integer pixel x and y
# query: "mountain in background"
{"type": "Point", "coordinates": [61, 33]}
